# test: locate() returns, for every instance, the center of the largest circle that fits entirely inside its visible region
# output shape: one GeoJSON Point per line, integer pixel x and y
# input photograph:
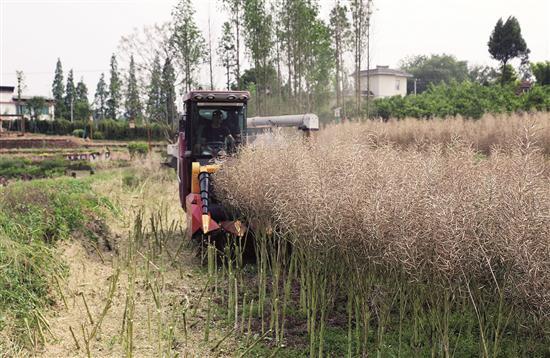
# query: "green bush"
{"type": "Point", "coordinates": [138, 149]}
{"type": "Point", "coordinates": [78, 133]}
{"type": "Point", "coordinates": [467, 99]}
{"type": "Point", "coordinates": [47, 168]}
{"type": "Point", "coordinates": [98, 135]}
{"type": "Point", "coordinates": [109, 129]}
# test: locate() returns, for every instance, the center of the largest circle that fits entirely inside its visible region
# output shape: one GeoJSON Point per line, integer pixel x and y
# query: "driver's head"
{"type": "Point", "coordinates": [217, 118]}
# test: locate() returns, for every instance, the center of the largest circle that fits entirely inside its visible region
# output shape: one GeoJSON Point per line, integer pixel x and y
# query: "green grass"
{"type": "Point", "coordinates": [34, 216]}
{"type": "Point", "coordinates": [21, 167]}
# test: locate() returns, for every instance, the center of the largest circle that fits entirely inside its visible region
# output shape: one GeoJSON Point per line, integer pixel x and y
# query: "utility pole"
{"type": "Point", "coordinates": [20, 85]}
{"type": "Point", "coordinates": [72, 107]}
{"type": "Point", "coordinates": [416, 79]}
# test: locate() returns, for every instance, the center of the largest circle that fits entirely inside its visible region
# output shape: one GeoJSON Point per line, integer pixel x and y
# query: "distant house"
{"type": "Point", "coordinates": [384, 82]}
{"type": "Point", "coordinates": [10, 108]}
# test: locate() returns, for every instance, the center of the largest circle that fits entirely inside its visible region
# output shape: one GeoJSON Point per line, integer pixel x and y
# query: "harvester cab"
{"type": "Point", "coordinates": [213, 125]}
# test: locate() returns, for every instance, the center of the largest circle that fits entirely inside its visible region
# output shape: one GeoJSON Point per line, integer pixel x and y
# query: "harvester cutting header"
{"type": "Point", "coordinates": [214, 124]}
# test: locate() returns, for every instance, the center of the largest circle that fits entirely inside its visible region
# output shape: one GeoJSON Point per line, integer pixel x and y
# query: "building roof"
{"type": "Point", "coordinates": [7, 88]}
{"type": "Point", "coordinates": [385, 70]}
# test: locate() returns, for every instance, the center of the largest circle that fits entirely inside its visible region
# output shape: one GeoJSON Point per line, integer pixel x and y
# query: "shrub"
{"type": "Point", "coordinates": [78, 133]}
{"type": "Point", "coordinates": [98, 135]}
{"type": "Point", "coordinates": [110, 129]}
{"type": "Point", "coordinates": [469, 100]}
{"type": "Point", "coordinates": [138, 149]}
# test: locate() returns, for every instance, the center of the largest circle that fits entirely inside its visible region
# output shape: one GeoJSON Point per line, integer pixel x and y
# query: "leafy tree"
{"type": "Point", "coordinates": [227, 52]}
{"type": "Point", "coordinates": [541, 71]}
{"type": "Point", "coordinates": [81, 105]}
{"type": "Point", "coordinates": [35, 106]}
{"type": "Point", "coordinates": [188, 42]}
{"type": "Point", "coordinates": [341, 35]}
{"type": "Point", "coordinates": [70, 94]}
{"type": "Point", "coordinates": [101, 98]}
{"type": "Point", "coordinates": [115, 96]}
{"type": "Point", "coordinates": [434, 69]}
{"type": "Point", "coordinates": [132, 103]}
{"type": "Point", "coordinates": [484, 75]}
{"type": "Point", "coordinates": [58, 91]}
{"type": "Point", "coordinates": [154, 105]}
{"type": "Point", "coordinates": [508, 74]}
{"type": "Point", "coordinates": [507, 43]}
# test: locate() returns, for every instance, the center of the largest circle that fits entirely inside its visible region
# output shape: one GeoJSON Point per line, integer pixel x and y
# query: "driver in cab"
{"type": "Point", "coordinates": [216, 130]}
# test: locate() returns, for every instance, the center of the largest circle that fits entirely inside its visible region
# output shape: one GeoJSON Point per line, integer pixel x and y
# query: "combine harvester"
{"type": "Point", "coordinates": [214, 124]}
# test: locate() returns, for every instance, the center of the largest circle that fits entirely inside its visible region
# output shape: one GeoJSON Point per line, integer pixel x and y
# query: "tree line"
{"type": "Point", "coordinates": [299, 62]}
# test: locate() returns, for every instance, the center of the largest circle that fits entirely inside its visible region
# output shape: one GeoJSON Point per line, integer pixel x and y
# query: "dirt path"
{"type": "Point", "coordinates": [154, 306]}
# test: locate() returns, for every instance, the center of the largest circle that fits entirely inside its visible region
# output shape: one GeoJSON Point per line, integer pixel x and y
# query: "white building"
{"type": "Point", "coordinates": [384, 82]}
{"type": "Point", "coordinates": [10, 109]}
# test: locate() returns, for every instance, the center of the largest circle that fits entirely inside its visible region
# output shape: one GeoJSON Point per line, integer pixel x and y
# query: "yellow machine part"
{"type": "Point", "coordinates": [196, 169]}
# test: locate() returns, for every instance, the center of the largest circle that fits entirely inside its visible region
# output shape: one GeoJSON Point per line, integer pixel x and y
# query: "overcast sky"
{"type": "Point", "coordinates": [84, 33]}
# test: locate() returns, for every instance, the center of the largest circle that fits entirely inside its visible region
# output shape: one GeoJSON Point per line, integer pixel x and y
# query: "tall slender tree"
{"type": "Point", "coordinates": [236, 10]}
{"type": "Point", "coordinates": [168, 97]}
{"type": "Point", "coordinates": [360, 15]}
{"type": "Point", "coordinates": [227, 52]}
{"type": "Point", "coordinates": [341, 36]}
{"type": "Point", "coordinates": [154, 97]}
{"type": "Point", "coordinates": [132, 102]}
{"type": "Point", "coordinates": [58, 91]}
{"type": "Point", "coordinates": [70, 94]}
{"type": "Point", "coordinates": [115, 95]}
{"type": "Point", "coordinates": [188, 42]}
{"type": "Point", "coordinates": [100, 98]}
{"type": "Point", "coordinates": [258, 23]}
{"type": "Point", "coordinates": [81, 105]}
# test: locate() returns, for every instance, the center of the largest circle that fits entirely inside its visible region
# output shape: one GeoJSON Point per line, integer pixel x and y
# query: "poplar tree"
{"type": "Point", "coordinates": [132, 103]}
{"type": "Point", "coordinates": [227, 52]}
{"type": "Point", "coordinates": [341, 37]}
{"type": "Point", "coordinates": [360, 14]}
{"type": "Point", "coordinates": [70, 93]}
{"type": "Point", "coordinates": [168, 96]}
{"type": "Point", "coordinates": [236, 9]}
{"type": "Point", "coordinates": [154, 93]}
{"type": "Point", "coordinates": [188, 42]}
{"type": "Point", "coordinates": [58, 91]}
{"type": "Point", "coordinates": [258, 25]}
{"type": "Point", "coordinates": [100, 98]}
{"type": "Point", "coordinates": [115, 96]}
